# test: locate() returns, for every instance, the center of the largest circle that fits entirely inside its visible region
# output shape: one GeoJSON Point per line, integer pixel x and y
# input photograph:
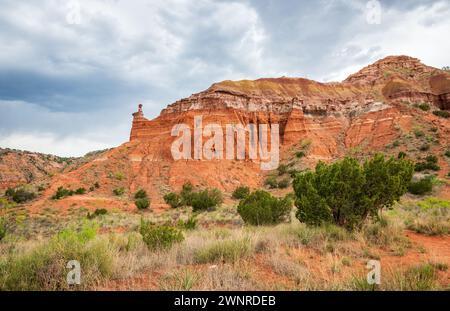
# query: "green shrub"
{"type": "Point", "coordinates": [159, 237]}
{"type": "Point", "coordinates": [347, 192]}
{"type": "Point", "coordinates": [80, 191]}
{"type": "Point", "coordinates": [293, 172]}
{"type": "Point", "coordinates": [97, 212]}
{"type": "Point", "coordinates": [2, 229]}
{"type": "Point", "coordinates": [241, 192]}
{"type": "Point", "coordinates": [261, 208]}
{"type": "Point", "coordinates": [430, 163]}
{"type": "Point", "coordinates": [119, 176]}
{"type": "Point", "coordinates": [187, 194]}
{"type": "Point", "coordinates": [282, 169]}
{"type": "Point", "coordinates": [119, 191]}
{"type": "Point", "coordinates": [300, 154]}
{"type": "Point", "coordinates": [173, 199]}
{"type": "Point", "coordinates": [62, 193]}
{"type": "Point", "coordinates": [142, 204]}
{"type": "Point", "coordinates": [271, 182]}
{"type": "Point", "coordinates": [402, 155]}
{"type": "Point", "coordinates": [43, 268]}
{"type": "Point", "coordinates": [418, 133]}
{"type": "Point", "coordinates": [141, 194]}
{"type": "Point", "coordinates": [423, 106]}
{"type": "Point", "coordinates": [284, 183]}
{"type": "Point", "coordinates": [189, 224]}
{"type": "Point", "coordinates": [206, 199]}
{"type": "Point", "coordinates": [447, 153]}
{"type": "Point", "coordinates": [424, 147]}
{"type": "Point", "coordinates": [20, 195]}
{"type": "Point", "coordinates": [421, 187]}
{"type": "Point", "coordinates": [442, 113]}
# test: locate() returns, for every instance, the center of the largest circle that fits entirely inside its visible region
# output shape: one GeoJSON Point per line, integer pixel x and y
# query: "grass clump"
{"type": "Point", "coordinates": [430, 216]}
{"type": "Point", "coordinates": [432, 203]}
{"type": "Point", "coordinates": [43, 268]}
{"type": "Point", "coordinates": [189, 224]}
{"type": "Point", "coordinates": [261, 208]}
{"type": "Point", "coordinates": [159, 237]}
{"type": "Point", "coordinates": [224, 251]}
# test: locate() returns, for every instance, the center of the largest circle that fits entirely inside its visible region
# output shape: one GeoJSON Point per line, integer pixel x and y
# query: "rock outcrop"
{"type": "Point", "coordinates": [367, 111]}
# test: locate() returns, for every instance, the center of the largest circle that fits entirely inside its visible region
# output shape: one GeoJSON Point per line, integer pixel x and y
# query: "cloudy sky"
{"type": "Point", "coordinates": [72, 72]}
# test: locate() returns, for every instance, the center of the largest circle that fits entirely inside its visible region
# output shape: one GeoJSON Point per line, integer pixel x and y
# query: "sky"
{"type": "Point", "coordinates": [72, 72]}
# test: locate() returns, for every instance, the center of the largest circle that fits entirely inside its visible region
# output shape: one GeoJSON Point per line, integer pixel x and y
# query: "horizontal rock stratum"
{"type": "Point", "coordinates": [366, 112]}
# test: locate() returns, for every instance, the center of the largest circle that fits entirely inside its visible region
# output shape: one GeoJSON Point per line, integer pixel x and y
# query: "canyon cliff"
{"type": "Point", "coordinates": [370, 111]}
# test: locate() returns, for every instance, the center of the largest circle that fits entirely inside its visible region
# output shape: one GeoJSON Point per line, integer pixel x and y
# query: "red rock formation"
{"type": "Point", "coordinates": [368, 110]}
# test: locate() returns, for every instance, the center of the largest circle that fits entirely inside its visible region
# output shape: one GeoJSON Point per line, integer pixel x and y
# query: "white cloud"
{"type": "Point", "coordinates": [50, 143]}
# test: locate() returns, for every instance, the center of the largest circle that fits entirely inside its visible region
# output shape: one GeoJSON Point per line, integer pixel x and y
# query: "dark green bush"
{"type": "Point", "coordinates": [423, 106]}
{"type": "Point", "coordinates": [140, 194]}
{"type": "Point", "coordinates": [418, 133]}
{"type": "Point", "coordinates": [261, 208]}
{"type": "Point", "coordinates": [346, 192]}
{"type": "Point", "coordinates": [241, 192]}
{"type": "Point", "coordinates": [142, 203]}
{"type": "Point", "coordinates": [119, 191]}
{"type": "Point", "coordinates": [97, 212]}
{"type": "Point", "coordinates": [424, 147]}
{"type": "Point", "coordinates": [421, 187]}
{"type": "Point", "coordinates": [62, 193]}
{"type": "Point", "coordinates": [401, 155]}
{"type": "Point", "coordinates": [442, 113]}
{"type": "Point", "coordinates": [300, 154]}
{"type": "Point", "coordinates": [2, 229]}
{"type": "Point", "coordinates": [271, 182]}
{"type": "Point", "coordinates": [282, 169]}
{"type": "Point", "coordinates": [187, 194]}
{"type": "Point", "coordinates": [206, 199]}
{"type": "Point", "coordinates": [80, 191]}
{"type": "Point", "coordinates": [173, 199]}
{"type": "Point", "coordinates": [447, 153]}
{"type": "Point", "coordinates": [159, 237]}
{"type": "Point", "coordinates": [430, 163]}
{"type": "Point", "coordinates": [284, 183]}
{"type": "Point", "coordinates": [20, 195]}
